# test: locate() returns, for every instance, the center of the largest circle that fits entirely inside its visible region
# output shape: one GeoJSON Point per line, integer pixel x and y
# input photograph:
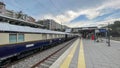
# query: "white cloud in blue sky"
{"type": "Point", "coordinates": [74, 13]}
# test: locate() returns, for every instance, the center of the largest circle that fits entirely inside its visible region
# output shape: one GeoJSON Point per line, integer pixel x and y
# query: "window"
{"type": "Point", "coordinates": [12, 38]}
{"type": "Point", "coordinates": [20, 38]}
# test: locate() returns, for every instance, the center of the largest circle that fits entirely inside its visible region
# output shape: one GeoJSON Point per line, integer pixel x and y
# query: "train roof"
{"type": "Point", "coordinates": [15, 28]}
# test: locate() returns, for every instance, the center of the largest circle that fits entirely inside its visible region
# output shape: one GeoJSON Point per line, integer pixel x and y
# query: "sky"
{"type": "Point", "coordinates": [73, 13]}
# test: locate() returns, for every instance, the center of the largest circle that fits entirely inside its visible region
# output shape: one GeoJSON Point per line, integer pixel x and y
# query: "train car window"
{"type": "Point", "coordinates": [20, 38]}
{"type": "Point", "coordinates": [12, 38]}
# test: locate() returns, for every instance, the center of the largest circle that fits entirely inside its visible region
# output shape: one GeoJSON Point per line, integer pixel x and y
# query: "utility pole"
{"type": "Point", "coordinates": [50, 25]}
{"type": "Point", "coordinates": [61, 26]}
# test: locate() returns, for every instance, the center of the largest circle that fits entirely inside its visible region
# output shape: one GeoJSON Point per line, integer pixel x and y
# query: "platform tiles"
{"type": "Point", "coordinates": [90, 54]}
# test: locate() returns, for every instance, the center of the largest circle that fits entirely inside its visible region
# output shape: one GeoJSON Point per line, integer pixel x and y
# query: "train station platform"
{"type": "Point", "coordinates": [90, 54]}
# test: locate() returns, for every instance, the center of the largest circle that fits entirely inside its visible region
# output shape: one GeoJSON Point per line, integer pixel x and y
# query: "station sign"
{"type": "Point", "coordinates": [102, 30]}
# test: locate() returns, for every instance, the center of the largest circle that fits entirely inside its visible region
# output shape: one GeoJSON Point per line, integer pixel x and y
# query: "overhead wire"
{"type": "Point", "coordinates": [44, 7]}
{"type": "Point", "coordinates": [58, 10]}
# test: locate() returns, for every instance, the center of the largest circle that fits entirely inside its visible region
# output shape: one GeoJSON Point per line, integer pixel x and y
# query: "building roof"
{"type": "Point", "coordinates": [15, 28]}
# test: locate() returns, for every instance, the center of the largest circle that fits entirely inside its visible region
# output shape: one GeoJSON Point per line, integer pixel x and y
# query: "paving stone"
{"type": "Point", "coordinates": [99, 55]}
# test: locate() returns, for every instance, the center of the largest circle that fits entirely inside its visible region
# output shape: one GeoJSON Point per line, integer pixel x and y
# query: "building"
{"type": "Point", "coordinates": [2, 8]}
{"type": "Point", "coordinates": [30, 19]}
{"type": "Point", "coordinates": [9, 13]}
{"type": "Point", "coordinates": [64, 27]}
{"type": "Point", "coordinates": [17, 15]}
{"type": "Point", "coordinates": [52, 25]}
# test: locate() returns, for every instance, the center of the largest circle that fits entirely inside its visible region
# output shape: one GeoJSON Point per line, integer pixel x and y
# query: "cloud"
{"type": "Point", "coordinates": [114, 15]}
{"type": "Point", "coordinates": [111, 4]}
{"type": "Point", "coordinates": [65, 17]}
{"type": "Point", "coordinates": [92, 24]}
{"type": "Point", "coordinates": [91, 13]}
{"type": "Point", "coordinates": [108, 6]}
{"type": "Point", "coordinates": [70, 15]}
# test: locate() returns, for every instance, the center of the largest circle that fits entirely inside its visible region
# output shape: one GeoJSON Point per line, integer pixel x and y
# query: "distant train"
{"type": "Point", "coordinates": [16, 40]}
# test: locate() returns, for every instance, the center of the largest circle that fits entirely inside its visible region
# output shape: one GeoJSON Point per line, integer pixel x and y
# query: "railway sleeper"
{"type": "Point", "coordinates": [50, 59]}
{"type": "Point", "coordinates": [48, 62]}
{"type": "Point", "coordinates": [43, 65]}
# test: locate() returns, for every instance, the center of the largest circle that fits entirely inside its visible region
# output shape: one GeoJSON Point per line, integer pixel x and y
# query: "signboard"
{"type": "Point", "coordinates": [102, 30]}
{"type": "Point", "coordinates": [97, 31]}
{"type": "Point", "coordinates": [30, 45]}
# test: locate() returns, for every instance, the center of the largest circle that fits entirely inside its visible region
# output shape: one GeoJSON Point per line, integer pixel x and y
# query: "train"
{"type": "Point", "coordinates": [18, 41]}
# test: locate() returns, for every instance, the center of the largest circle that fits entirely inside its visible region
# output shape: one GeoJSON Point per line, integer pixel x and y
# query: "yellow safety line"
{"type": "Point", "coordinates": [68, 59]}
{"type": "Point", "coordinates": [81, 59]}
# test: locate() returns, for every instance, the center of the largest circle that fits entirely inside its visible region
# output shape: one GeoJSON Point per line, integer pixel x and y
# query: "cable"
{"type": "Point", "coordinates": [47, 9]}
{"type": "Point", "coordinates": [56, 9]}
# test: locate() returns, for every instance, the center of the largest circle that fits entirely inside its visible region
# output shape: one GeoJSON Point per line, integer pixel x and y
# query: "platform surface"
{"type": "Point", "coordinates": [90, 54]}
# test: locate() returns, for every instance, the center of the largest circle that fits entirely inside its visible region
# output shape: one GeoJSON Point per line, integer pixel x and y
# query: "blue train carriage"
{"type": "Point", "coordinates": [16, 40]}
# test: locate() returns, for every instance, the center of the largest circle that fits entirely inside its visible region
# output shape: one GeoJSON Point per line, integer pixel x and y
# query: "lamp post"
{"type": "Point", "coordinates": [108, 35]}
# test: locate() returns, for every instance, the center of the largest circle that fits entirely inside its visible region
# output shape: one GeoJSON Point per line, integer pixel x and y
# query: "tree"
{"type": "Point", "coordinates": [20, 14]}
{"type": "Point", "coordinates": [115, 28]}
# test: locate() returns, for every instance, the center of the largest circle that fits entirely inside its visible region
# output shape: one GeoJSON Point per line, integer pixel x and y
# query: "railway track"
{"type": "Point", "coordinates": [42, 59]}
{"type": "Point", "coordinates": [48, 61]}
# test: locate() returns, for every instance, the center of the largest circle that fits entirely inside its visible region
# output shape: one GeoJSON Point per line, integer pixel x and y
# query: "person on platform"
{"type": "Point", "coordinates": [93, 37]}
